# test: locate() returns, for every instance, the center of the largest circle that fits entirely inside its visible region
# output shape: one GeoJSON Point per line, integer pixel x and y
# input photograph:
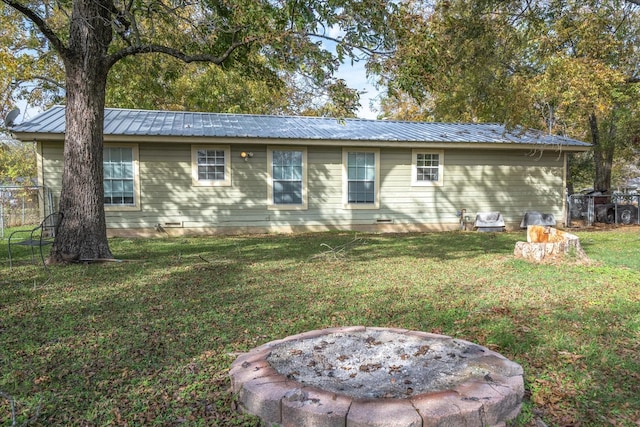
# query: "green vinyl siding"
{"type": "Point", "coordinates": [325, 178]}
{"type": "Point", "coordinates": [50, 167]}
{"type": "Point", "coordinates": [510, 181]}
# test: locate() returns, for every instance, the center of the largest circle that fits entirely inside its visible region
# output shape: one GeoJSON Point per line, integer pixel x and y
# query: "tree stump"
{"type": "Point", "coordinates": [545, 242]}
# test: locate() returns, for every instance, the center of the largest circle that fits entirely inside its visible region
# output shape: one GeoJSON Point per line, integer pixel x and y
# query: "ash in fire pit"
{"type": "Point", "coordinates": [378, 363]}
{"type": "Point", "coordinates": [361, 376]}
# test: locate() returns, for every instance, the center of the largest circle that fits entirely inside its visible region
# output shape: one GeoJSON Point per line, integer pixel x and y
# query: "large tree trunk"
{"type": "Point", "coordinates": [83, 232]}
{"type": "Point", "coordinates": [603, 150]}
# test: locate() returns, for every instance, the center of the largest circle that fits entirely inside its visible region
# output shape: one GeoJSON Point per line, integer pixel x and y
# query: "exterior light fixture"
{"type": "Point", "coordinates": [246, 155]}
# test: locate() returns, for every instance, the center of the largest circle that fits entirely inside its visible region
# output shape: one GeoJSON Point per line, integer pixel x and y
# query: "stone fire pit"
{"type": "Point", "coordinates": [362, 376]}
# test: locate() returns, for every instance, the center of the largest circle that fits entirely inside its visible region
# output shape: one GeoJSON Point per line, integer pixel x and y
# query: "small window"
{"type": "Point", "coordinates": [287, 178]}
{"type": "Point", "coordinates": [121, 181]}
{"type": "Point", "coordinates": [361, 177]}
{"type": "Point", "coordinates": [427, 167]}
{"type": "Point", "coordinates": [210, 165]}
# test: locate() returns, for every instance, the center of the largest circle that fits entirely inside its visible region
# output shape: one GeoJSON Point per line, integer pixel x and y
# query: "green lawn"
{"type": "Point", "coordinates": [149, 341]}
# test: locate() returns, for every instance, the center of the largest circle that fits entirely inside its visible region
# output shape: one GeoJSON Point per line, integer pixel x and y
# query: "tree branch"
{"type": "Point", "coordinates": [178, 54]}
{"type": "Point", "coordinates": [368, 50]}
{"type": "Point", "coordinates": [121, 22]}
{"type": "Point", "coordinates": [48, 80]}
{"type": "Point", "coordinates": [41, 24]}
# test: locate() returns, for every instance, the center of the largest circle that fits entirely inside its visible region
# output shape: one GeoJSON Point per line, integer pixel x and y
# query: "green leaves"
{"type": "Point", "coordinates": [159, 82]}
{"type": "Point", "coordinates": [17, 162]}
{"type": "Point", "coordinates": [28, 71]}
{"type": "Point", "coordinates": [478, 60]}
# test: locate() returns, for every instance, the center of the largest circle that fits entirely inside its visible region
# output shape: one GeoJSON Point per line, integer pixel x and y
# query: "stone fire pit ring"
{"type": "Point", "coordinates": [367, 376]}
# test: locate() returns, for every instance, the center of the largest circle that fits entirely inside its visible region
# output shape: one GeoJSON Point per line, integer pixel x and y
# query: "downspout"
{"type": "Point", "coordinates": [41, 185]}
{"type": "Point", "coordinates": [462, 212]}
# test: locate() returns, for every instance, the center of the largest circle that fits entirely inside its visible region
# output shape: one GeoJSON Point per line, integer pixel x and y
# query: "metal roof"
{"type": "Point", "coordinates": [126, 122]}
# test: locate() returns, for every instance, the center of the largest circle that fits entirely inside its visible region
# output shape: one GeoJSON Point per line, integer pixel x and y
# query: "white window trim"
{"type": "Point", "coordinates": [414, 168]}
{"type": "Point", "coordinates": [226, 182]}
{"type": "Point", "coordinates": [272, 206]}
{"type": "Point", "coordinates": [345, 179]}
{"type": "Point", "coordinates": [136, 180]}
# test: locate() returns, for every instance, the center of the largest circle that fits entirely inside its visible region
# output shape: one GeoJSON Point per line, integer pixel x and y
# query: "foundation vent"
{"type": "Point", "coordinates": [172, 224]}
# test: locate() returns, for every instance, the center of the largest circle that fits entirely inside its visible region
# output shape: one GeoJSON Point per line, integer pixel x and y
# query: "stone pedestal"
{"type": "Point", "coordinates": [545, 242]}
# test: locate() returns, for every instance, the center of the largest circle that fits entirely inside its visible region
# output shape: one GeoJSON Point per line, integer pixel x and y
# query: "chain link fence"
{"type": "Point", "coordinates": [23, 205]}
{"type": "Point", "coordinates": [617, 208]}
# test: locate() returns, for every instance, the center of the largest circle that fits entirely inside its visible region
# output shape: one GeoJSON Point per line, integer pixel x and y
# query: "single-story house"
{"type": "Point", "coordinates": [188, 172]}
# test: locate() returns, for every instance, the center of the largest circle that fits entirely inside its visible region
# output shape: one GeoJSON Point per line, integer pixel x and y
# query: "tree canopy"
{"type": "Point", "coordinates": [281, 55]}
{"type": "Point", "coordinates": [17, 162]}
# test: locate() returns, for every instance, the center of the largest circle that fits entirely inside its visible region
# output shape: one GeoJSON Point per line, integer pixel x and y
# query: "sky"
{"type": "Point", "coordinates": [356, 77]}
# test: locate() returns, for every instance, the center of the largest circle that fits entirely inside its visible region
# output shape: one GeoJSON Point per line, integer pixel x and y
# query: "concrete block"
{"type": "Point", "coordinates": [311, 407]}
{"type": "Point", "coordinates": [263, 397]}
{"type": "Point", "coordinates": [383, 413]}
